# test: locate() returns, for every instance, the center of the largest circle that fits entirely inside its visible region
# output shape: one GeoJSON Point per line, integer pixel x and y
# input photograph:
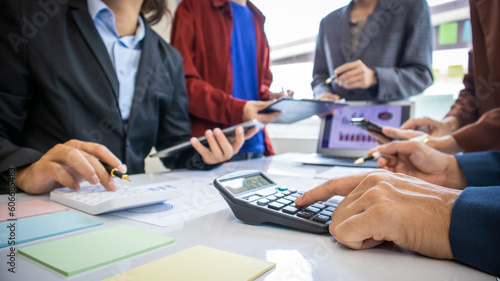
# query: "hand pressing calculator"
{"type": "Point", "coordinates": [256, 199]}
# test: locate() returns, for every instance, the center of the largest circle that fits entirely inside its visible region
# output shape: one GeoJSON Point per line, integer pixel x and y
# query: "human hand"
{"type": "Point", "coordinates": [432, 127]}
{"type": "Point", "coordinates": [382, 206]}
{"type": "Point", "coordinates": [275, 96]}
{"type": "Point", "coordinates": [390, 133]}
{"type": "Point", "coordinates": [353, 75]}
{"type": "Point", "coordinates": [419, 160]}
{"type": "Point", "coordinates": [220, 148]}
{"type": "Point", "coordinates": [67, 165]}
{"type": "Point", "coordinates": [329, 97]}
{"type": "Point", "coordinates": [446, 144]}
{"type": "Point", "coordinates": [251, 111]}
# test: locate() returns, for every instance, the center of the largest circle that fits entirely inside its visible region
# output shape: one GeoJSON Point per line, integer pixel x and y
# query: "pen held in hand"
{"type": "Point", "coordinates": [115, 173]}
{"type": "Point", "coordinates": [375, 155]}
{"type": "Point", "coordinates": [330, 79]}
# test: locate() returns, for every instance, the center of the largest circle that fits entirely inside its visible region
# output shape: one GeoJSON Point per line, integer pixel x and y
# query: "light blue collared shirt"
{"type": "Point", "coordinates": [125, 52]}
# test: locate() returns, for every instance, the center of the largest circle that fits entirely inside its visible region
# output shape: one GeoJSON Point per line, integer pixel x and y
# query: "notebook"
{"type": "Point", "coordinates": [340, 142]}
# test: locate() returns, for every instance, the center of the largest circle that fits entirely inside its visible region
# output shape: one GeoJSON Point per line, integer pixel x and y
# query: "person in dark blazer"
{"type": "Point", "coordinates": [436, 204]}
{"type": "Point", "coordinates": [84, 81]}
{"type": "Point", "coordinates": [378, 49]}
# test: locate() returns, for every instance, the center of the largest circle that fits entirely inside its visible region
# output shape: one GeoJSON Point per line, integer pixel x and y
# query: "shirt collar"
{"type": "Point", "coordinates": [96, 6]}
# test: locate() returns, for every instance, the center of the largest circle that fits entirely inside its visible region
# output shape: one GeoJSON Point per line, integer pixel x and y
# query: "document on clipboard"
{"type": "Point", "coordinates": [228, 132]}
{"type": "Point", "coordinates": [293, 110]}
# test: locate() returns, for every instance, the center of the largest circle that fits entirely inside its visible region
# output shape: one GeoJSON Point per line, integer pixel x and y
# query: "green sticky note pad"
{"type": "Point", "coordinates": [448, 33]}
{"type": "Point", "coordinates": [80, 253]}
{"type": "Point", "coordinates": [199, 263]}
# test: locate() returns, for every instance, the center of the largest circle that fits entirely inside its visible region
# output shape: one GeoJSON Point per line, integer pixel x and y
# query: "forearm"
{"type": "Point", "coordinates": [482, 135]}
{"type": "Point", "coordinates": [400, 83]}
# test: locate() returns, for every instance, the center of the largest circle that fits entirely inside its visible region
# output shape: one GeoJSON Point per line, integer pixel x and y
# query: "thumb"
{"type": "Point", "coordinates": [400, 134]}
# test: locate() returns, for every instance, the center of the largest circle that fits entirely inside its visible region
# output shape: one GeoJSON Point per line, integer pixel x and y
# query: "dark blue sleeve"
{"type": "Point", "coordinates": [480, 168]}
{"type": "Point", "coordinates": [475, 228]}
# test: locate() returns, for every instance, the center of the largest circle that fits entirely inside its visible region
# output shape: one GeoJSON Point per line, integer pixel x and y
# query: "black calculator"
{"type": "Point", "coordinates": [256, 199]}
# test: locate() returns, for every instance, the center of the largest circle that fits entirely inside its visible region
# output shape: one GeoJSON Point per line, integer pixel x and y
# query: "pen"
{"type": "Point", "coordinates": [114, 172]}
{"type": "Point", "coordinates": [375, 155]}
{"type": "Point", "coordinates": [330, 79]}
{"type": "Point", "coordinates": [422, 138]}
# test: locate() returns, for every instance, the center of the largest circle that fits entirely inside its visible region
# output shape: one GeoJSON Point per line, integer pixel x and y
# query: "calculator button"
{"type": "Point", "coordinates": [290, 210]}
{"type": "Point", "coordinates": [262, 202]}
{"type": "Point", "coordinates": [305, 214]}
{"type": "Point", "coordinates": [312, 209]}
{"type": "Point", "coordinates": [253, 198]}
{"type": "Point", "coordinates": [331, 204]}
{"type": "Point", "coordinates": [291, 198]}
{"type": "Point", "coordinates": [271, 198]}
{"type": "Point", "coordinates": [279, 195]}
{"type": "Point", "coordinates": [292, 190]}
{"type": "Point", "coordinates": [319, 205]}
{"type": "Point", "coordinates": [265, 192]}
{"type": "Point", "coordinates": [275, 206]}
{"type": "Point", "coordinates": [326, 213]}
{"type": "Point", "coordinates": [321, 218]}
{"type": "Point", "coordinates": [284, 201]}
{"type": "Point", "coordinates": [330, 209]}
{"type": "Point", "coordinates": [282, 188]}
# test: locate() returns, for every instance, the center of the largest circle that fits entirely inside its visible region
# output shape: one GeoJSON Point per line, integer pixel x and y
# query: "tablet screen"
{"type": "Point", "coordinates": [341, 134]}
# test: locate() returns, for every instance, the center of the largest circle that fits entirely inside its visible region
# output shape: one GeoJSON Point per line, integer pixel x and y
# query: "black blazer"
{"type": "Point", "coordinates": [57, 83]}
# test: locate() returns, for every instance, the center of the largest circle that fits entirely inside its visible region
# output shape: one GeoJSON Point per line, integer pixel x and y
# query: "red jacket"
{"type": "Point", "coordinates": [201, 31]}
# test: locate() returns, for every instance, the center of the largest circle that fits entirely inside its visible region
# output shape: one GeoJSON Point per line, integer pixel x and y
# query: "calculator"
{"type": "Point", "coordinates": [255, 199]}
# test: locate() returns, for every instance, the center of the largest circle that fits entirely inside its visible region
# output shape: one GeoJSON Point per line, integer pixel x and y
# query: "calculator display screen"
{"type": "Point", "coordinates": [240, 185]}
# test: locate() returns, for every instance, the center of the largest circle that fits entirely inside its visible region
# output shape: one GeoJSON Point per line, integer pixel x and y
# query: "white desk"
{"type": "Point", "coordinates": [298, 255]}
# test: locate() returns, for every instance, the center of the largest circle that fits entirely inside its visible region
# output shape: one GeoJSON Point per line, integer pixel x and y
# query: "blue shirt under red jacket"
{"type": "Point", "coordinates": [475, 219]}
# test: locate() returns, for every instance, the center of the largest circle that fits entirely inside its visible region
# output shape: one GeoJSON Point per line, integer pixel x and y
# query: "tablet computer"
{"type": "Point", "coordinates": [293, 110]}
{"type": "Point", "coordinates": [229, 132]}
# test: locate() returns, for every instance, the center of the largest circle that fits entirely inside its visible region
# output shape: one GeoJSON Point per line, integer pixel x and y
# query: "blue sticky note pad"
{"type": "Point", "coordinates": [43, 226]}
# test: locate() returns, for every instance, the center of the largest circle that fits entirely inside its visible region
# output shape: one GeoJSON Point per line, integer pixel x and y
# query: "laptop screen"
{"type": "Point", "coordinates": [339, 134]}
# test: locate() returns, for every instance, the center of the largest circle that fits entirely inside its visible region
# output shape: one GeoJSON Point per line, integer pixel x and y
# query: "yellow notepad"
{"type": "Point", "coordinates": [199, 263]}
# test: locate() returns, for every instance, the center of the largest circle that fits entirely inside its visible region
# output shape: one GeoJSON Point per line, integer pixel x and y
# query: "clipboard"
{"type": "Point", "coordinates": [293, 110]}
{"type": "Point", "coordinates": [228, 132]}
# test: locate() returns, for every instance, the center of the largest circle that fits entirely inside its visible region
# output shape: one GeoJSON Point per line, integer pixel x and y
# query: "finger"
{"type": "Point", "coordinates": [380, 138]}
{"type": "Point", "coordinates": [329, 96]}
{"type": "Point", "coordinates": [401, 134]}
{"type": "Point", "coordinates": [418, 124]}
{"type": "Point", "coordinates": [105, 177]}
{"type": "Point", "coordinates": [268, 117]}
{"type": "Point", "coordinates": [401, 148]}
{"type": "Point", "coordinates": [58, 172]}
{"type": "Point", "coordinates": [345, 67]}
{"type": "Point", "coordinates": [251, 132]}
{"type": "Point", "coordinates": [358, 231]}
{"type": "Point", "coordinates": [356, 82]}
{"type": "Point", "coordinates": [213, 145]}
{"type": "Point", "coordinates": [101, 152]}
{"type": "Point", "coordinates": [223, 144]}
{"type": "Point", "coordinates": [351, 75]}
{"type": "Point", "coordinates": [199, 147]}
{"type": "Point", "coordinates": [338, 186]}
{"type": "Point", "coordinates": [73, 158]}
{"type": "Point", "coordinates": [238, 140]}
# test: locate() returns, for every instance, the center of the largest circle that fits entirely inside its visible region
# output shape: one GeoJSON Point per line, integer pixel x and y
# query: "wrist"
{"type": "Point", "coordinates": [454, 174]}
{"type": "Point", "coordinates": [446, 144]}
{"type": "Point", "coordinates": [374, 78]}
{"type": "Point", "coordinates": [451, 123]}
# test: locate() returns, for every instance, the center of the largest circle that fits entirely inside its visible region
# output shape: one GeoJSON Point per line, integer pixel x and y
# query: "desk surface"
{"type": "Point", "coordinates": [298, 255]}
